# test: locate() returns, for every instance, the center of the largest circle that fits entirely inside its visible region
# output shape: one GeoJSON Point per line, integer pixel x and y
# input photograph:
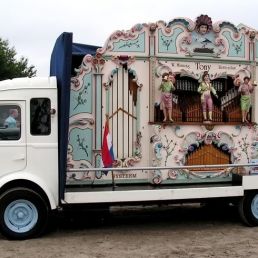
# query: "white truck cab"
{"type": "Point", "coordinates": [29, 152]}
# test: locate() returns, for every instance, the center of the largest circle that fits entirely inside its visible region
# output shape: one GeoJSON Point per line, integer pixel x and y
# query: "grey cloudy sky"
{"type": "Point", "coordinates": [32, 26]}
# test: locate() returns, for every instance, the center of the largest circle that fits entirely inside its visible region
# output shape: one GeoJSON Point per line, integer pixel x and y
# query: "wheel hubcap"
{"type": "Point", "coordinates": [254, 206]}
{"type": "Point", "coordinates": [21, 216]}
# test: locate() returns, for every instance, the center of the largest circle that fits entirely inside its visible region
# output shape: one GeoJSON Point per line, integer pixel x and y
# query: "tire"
{"type": "Point", "coordinates": [248, 209]}
{"type": "Point", "coordinates": [23, 214]}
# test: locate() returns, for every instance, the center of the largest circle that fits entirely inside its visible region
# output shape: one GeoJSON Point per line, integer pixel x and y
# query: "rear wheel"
{"type": "Point", "coordinates": [248, 209]}
{"type": "Point", "coordinates": [23, 213]}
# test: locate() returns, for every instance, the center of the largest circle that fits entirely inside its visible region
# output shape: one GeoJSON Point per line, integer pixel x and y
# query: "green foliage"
{"type": "Point", "coordinates": [10, 67]}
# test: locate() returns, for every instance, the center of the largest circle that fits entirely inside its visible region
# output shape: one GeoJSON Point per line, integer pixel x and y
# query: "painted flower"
{"type": "Point", "coordinates": [98, 55]}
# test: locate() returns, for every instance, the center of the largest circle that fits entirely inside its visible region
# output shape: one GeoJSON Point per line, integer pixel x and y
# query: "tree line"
{"type": "Point", "coordinates": [10, 66]}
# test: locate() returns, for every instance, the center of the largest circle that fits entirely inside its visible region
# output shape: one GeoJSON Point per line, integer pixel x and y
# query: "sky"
{"type": "Point", "coordinates": [32, 26]}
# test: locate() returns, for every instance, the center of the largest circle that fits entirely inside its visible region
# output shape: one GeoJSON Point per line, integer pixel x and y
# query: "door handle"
{"type": "Point", "coordinates": [19, 157]}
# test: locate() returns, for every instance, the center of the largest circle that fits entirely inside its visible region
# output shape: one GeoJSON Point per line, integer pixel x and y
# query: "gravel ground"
{"type": "Point", "coordinates": [151, 231]}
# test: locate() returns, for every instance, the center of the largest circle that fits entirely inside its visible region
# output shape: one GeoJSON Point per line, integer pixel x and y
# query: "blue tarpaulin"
{"type": "Point", "coordinates": [81, 49]}
{"type": "Point", "coordinates": [61, 66]}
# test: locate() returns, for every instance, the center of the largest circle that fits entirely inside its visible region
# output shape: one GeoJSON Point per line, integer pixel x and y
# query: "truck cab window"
{"type": "Point", "coordinates": [40, 120]}
{"type": "Point", "coordinates": [10, 122]}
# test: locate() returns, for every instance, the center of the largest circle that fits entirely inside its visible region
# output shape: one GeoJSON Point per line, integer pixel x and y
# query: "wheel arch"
{"type": "Point", "coordinates": [30, 185]}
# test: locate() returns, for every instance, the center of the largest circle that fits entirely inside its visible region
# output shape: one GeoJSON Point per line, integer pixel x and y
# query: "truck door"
{"type": "Point", "coordinates": [12, 136]}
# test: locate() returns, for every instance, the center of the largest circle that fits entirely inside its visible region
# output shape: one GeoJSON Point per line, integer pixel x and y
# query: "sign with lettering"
{"type": "Point", "coordinates": [196, 69]}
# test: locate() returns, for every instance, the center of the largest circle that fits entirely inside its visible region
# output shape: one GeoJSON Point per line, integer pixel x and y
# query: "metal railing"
{"type": "Point", "coordinates": [223, 169]}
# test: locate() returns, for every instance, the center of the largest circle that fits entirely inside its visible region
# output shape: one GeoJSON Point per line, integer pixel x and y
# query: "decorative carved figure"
{"type": "Point", "coordinates": [166, 87]}
{"type": "Point", "coordinates": [205, 89]}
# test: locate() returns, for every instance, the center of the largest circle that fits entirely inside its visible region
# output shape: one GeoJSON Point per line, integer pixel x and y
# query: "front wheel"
{"type": "Point", "coordinates": [23, 213]}
{"type": "Point", "coordinates": [248, 209]}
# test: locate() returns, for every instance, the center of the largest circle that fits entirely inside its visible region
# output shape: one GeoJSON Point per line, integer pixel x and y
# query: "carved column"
{"type": "Point", "coordinates": [253, 73]}
{"type": "Point", "coordinates": [152, 63]}
{"type": "Point", "coordinates": [98, 63]}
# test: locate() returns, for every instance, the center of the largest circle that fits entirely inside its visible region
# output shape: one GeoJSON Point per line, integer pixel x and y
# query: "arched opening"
{"type": "Point", "coordinates": [186, 104]}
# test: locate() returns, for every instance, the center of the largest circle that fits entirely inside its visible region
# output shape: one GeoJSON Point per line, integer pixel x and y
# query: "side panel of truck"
{"type": "Point", "coordinates": [120, 86]}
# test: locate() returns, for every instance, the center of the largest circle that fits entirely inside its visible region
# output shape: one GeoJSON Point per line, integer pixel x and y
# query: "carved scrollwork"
{"type": "Point", "coordinates": [131, 34]}
{"type": "Point", "coordinates": [162, 68]}
{"type": "Point", "coordinates": [218, 26]}
{"type": "Point", "coordinates": [130, 161]}
{"type": "Point", "coordinates": [82, 122]}
{"type": "Point", "coordinates": [108, 84]}
{"type": "Point", "coordinates": [188, 23]}
{"type": "Point", "coordinates": [123, 60]}
{"type": "Point", "coordinates": [85, 67]}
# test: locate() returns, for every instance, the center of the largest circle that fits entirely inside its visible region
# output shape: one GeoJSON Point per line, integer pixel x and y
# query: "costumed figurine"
{"type": "Point", "coordinates": [205, 89]}
{"type": "Point", "coordinates": [245, 89]}
{"type": "Point", "coordinates": [166, 87]}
